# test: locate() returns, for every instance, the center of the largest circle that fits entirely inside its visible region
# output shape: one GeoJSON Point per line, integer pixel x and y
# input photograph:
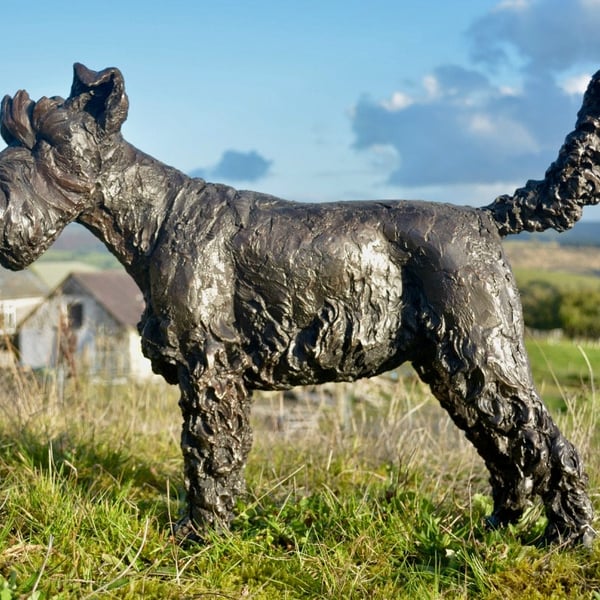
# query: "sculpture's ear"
{"type": "Point", "coordinates": [101, 94]}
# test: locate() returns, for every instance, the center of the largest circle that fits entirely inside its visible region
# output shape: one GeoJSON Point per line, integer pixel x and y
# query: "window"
{"type": "Point", "coordinates": [75, 315]}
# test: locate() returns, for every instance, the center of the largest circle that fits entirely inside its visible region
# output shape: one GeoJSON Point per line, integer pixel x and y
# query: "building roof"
{"type": "Point", "coordinates": [115, 291]}
{"type": "Point", "coordinates": [15, 285]}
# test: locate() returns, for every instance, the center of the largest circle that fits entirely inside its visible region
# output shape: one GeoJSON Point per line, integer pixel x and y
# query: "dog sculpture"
{"type": "Point", "coordinates": [245, 291]}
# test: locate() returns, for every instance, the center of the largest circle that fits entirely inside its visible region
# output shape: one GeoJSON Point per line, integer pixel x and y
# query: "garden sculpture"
{"type": "Point", "coordinates": [245, 291]}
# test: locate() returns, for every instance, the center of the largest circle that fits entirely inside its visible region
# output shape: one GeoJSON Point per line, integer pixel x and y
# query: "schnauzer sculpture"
{"type": "Point", "coordinates": [245, 291]}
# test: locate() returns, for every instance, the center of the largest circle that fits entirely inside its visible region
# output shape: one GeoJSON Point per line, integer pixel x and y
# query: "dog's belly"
{"type": "Point", "coordinates": [337, 318]}
{"type": "Point", "coordinates": [335, 347]}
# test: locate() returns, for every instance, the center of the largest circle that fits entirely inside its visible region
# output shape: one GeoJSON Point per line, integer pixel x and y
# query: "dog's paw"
{"type": "Point", "coordinates": [185, 533]}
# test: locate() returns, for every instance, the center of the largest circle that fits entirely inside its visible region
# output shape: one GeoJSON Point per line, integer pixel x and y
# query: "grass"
{"type": "Point", "coordinates": [563, 369]}
{"type": "Point", "coordinates": [564, 281]}
{"type": "Point", "coordinates": [354, 491]}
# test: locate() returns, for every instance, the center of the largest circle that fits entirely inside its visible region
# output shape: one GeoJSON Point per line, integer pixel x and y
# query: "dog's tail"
{"type": "Point", "coordinates": [571, 182]}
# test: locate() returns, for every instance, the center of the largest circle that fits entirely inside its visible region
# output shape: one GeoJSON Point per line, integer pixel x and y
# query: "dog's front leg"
{"type": "Point", "coordinates": [215, 441]}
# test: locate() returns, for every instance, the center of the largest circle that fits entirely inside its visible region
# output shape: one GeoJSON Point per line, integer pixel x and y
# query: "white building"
{"type": "Point", "coordinates": [88, 324]}
{"type": "Point", "coordinates": [20, 293]}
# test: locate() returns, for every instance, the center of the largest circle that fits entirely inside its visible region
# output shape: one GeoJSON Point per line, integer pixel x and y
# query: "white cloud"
{"type": "Point", "coordinates": [398, 101]}
{"type": "Point", "coordinates": [431, 85]}
{"type": "Point", "coordinates": [576, 84]}
{"type": "Point", "coordinates": [509, 90]}
{"type": "Point", "coordinates": [482, 124]}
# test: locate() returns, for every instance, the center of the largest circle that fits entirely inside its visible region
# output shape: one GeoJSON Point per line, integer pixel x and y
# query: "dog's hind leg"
{"type": "Point", "coordinates": [471, 353]}
{"type": "Point", "coordinates": [523, 449]}
{"type": "Point", "coordinates": [216, 439]}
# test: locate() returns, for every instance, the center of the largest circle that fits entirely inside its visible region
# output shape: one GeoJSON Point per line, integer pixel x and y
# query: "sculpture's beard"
{"type": "Point", "coordinates": [33, 212]}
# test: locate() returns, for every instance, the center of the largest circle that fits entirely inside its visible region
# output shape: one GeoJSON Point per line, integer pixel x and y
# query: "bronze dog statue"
{"type": "Point", "coordinates": [245, 291]}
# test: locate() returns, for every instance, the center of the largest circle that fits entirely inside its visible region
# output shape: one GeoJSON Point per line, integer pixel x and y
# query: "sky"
{"type": "Point", "coordinates": [332, 99]}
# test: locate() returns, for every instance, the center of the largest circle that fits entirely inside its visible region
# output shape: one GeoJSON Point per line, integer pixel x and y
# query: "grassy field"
{"type": "Point", "coordinates": [562, 280]}
{"type": "Point", "coordinates": [354, 491]}
{"type": "Point", "coordinates": [564, 370]}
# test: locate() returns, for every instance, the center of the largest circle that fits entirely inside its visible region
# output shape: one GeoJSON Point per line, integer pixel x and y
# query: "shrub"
{"type": "Point", "coordinates": [580, 314]}
{"type": "Point", "coordinates": [541, 302]}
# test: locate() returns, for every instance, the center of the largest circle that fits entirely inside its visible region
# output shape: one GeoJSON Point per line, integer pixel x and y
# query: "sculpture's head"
{"type": "Point", "coordinates": [66, 136]}
{"type": "Point", "coordinates": [49, 171]}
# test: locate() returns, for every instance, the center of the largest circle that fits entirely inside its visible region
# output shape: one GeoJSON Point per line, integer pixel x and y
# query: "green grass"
{"type": "Point", "coordinates": [562, 280]}
{"type": "Point", "coordinates": [368, 492]}
{"type": "Point", "coordinates": [563, 369]}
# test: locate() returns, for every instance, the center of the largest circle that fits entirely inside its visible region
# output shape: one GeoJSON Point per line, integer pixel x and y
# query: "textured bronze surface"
{"type": "Point", "coordinates": [245, 291]}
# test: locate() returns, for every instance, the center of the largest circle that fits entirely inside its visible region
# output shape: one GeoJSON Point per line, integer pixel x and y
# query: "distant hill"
{"type": "Point", "coordinates": [585, 233]}
{"type": "Point", "coordinates": [534, 260]}
{"type": "Point", "coordinates": [76, 238]}
{"type": "Point", "coordinates": [77, 245]}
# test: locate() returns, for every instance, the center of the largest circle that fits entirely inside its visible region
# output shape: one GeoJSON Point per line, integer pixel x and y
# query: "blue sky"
{"type": "Point", "coordinates": [451, 101]}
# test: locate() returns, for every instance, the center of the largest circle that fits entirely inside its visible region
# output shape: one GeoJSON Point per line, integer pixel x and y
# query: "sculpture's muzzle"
{"type": "Point", "coordinates": [31, 215]}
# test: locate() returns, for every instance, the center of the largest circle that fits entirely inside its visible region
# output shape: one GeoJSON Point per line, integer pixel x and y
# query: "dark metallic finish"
{"type": "Point", "coordinates": [246, 291]}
